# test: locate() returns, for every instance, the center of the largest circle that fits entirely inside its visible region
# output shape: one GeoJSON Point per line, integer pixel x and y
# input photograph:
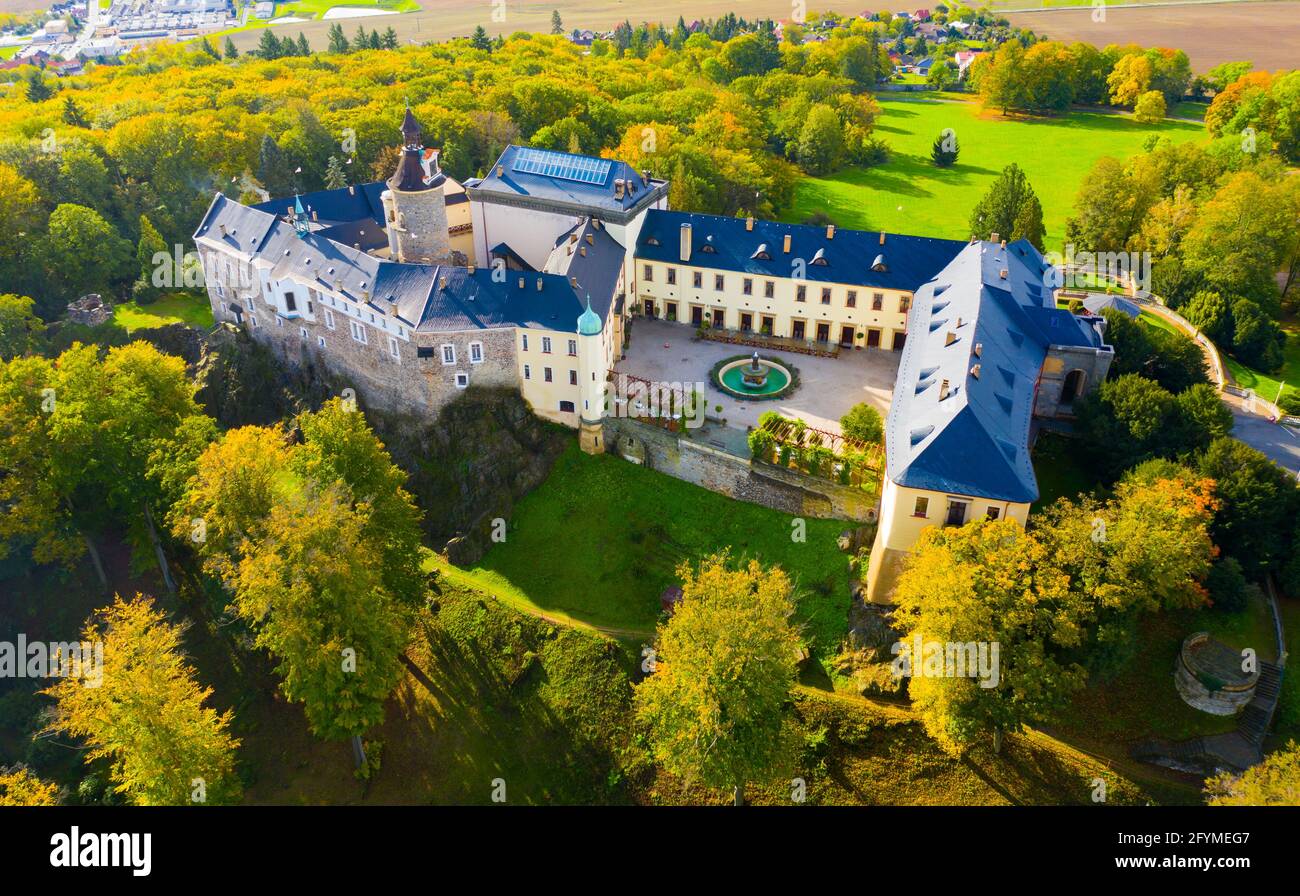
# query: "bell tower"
{"type": "Point", "coordinates": [415, 209]}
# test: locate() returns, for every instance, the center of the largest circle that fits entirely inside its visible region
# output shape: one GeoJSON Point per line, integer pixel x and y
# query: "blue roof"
{"type": "Point", "coordinates": [1098, 302]}
{"type": "Point", "coordinates": [963, 400]}
{"type": "Point", "coordinates": [345, 205]}
{"type": "Point", "coordinates": [564, 177]}
{"type": "Point", "coordinates": [850, 256]}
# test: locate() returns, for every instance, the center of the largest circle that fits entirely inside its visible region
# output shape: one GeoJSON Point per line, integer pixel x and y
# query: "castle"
{"type": "Point", "coordinates": [417, 287]}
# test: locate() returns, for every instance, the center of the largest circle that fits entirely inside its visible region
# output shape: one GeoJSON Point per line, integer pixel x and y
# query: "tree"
{"type": "Point", "coordinates": [1227, 585]}
{"type": "Point", "coordinates": [148, 715]}
{"type": "Point", "coordinates": [19, 787]}
{"type": "Point", "coordinates": [82, 253]}
{"type": "Point", "coordinates": [150, 245]}
{"type": "Point", "coordinates": [205, 46]}
{"type": "Point", "coordinates": [1125, 421]}
{"type": "Point", "coordinates": [1150, 107]}
{"type": "Point", "coordinates": [986, 583]}
{"type": "Point", "coordinates": [1259, 501]}
{"type": "Point", "coordinates": [1273, 782]}
{"type": "Point", "coordinates": [338, 41]}
{"type": "Point", "coordinates": [1010, 208]}
{"type": "Point", "coordinates": [72, 114]}
{"type": "Point", "coordinates": [941, 76]}
{"type": "Point", "coordinates": [821, 141]}
{"type": "Point", "coordinates": [38, 89]}
{"type": "Point", "coordinates": [230, 51]}
{"type": "Point", "coordinates": [1113, 202]}
{"type": "Point", "coordinates": [273, 170]}
{"type": "Point", "coordinates": [389, 40]}
{"type": "Point", "coordinates": [1257, 339]}
{"type": "Point", "coordinates": [269, 47]}
{"type": "Point", "coordinates": [1130, 79]}
{"type": "Point", "coordinates": [1208, 312]}
{"type": "Point", "coordinates": [313, 591]}
{"type": "Point", "coordinates": [336, 176]}
{"type": "Point", "coordinates": [945, 150]}
{"type": "Point", "coordinates": [714, 708]}
{"type": "Point", "coordinates": [480, 40]}
{"type": "Point", "coordinates": [557, 25]}
{"type": "Point", "coordinates": [862, 423]}
{"type": "Point", "coordinates": [304, 48]}
{"type": "Point", "coordinates": [20, 328]}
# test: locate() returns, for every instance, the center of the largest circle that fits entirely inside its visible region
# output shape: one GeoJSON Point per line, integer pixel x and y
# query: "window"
{"type": "Point", "coordinates": [573, 377]}
{"type": "Point", "coordinates": [956, 513]}
{"type": "Point", "coordinates": [904, 304]}
{"type": "Point", "coordinates": [546, 345]}
{"type": "Point", "coordinates": [358, 331]}
{"type": "Point", "coordinates": [329, 319]}
{"type": "Point", "coordinates": [769, 289]}
{"type": "Point", "coordinates": [476, 353]}
{"type": "Point", "coordinates": [223, 307]}
{"type": "Point", "coordinates": [394, 349]}
{"type": "Point", "coordinates": [448, 354]}
{"type": "Point", "coordinates": [566, 407]}
{"type": "Point", "coordinates": [649, 273]}
{"type": "Point", "coordinates": [697, 279]}
{"type": "Point", "coordinates": [302, 331]}
{"type": "Point", "coordinates": [462, 380]}
{"type": "Point", "coordinates": [922, 508]}
{"type": "Point", "coordinates": [672, 276]}
{"type": "Point", "coordinates": [289, 302]}
{"type": "Point", "coordinates": [279, 321]}
{"type": "Point", "coordinates": [546, 374]}
{"type": "Point", "coordinates": [525, 338]}
{"type": "Point", "coordinates": [252, 321]}
{"type": "Point", "coordinates": [320, 340]}
{"type": "Point", "coordinates": [851, 301]}
{"type": "Point", "coordinates": [993, 512]}
{"type": "Point", "coordinates": [718, 282]}
{"type": "Point", "coordinates": [801, 293]}
{"type": "Point", "coordinates": [528, 372]}
{"type": "Point", "coordinates": [747, 286]}
{"type": "Point", "coordinates": [573, 348]}
{"type": "Point", "coordinates": [424, 351]}
{"type": "Point", "coordinates": [877, 301]}
{"type": "Point", "coordinates": [826, 295]}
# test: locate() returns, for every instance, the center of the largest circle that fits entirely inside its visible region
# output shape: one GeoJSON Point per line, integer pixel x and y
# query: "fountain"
{"type": "Point", "coordinates": [752, 377]}
{"type": "Point", "coordinates": [755, 375]}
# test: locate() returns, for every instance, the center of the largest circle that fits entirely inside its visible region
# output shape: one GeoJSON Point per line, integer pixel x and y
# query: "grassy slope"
{"type": "Point", "coordinates": [1266, 385]}
{"type": "Point", "coordinates": [600, 540]}
{"type": "Point", "coordinates": [171, 309]}
{"type": "Point", "coordinates": [908, 194]}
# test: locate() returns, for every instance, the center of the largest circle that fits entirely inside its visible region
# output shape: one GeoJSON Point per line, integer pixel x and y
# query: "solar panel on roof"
{"type": "Point", "coordinates": [582, 169]}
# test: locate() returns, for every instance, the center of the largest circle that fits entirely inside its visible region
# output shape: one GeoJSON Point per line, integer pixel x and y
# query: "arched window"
{"type": "Point", "coordinates": [1075, 381]}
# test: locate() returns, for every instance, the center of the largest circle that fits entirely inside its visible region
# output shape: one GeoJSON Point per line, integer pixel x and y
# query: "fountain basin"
{"type": "Point", "coordinates": [740, 379]}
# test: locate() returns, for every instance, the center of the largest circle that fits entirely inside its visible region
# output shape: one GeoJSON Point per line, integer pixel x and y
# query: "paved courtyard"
{"type": "Point", "coordinates": [828, 387]}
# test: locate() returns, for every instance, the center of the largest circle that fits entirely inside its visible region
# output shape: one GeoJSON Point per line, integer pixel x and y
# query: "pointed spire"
{"type": "Point", "coordinates": [410, 129]}
{"type": "Point", "coordinates": [299, 217]}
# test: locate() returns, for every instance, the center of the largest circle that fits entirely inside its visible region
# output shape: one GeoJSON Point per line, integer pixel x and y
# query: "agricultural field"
{"type": "Point", "coordinates": [1211, 33]}
{"type": "Point", "coordinates": [909, 194]}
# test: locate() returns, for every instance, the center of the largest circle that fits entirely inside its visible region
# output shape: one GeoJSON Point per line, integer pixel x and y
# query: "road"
{"type": "Point", "coordinates": [1280, 443]}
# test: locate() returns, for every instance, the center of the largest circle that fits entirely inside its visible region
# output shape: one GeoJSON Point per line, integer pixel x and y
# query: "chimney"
{"type": "Point", "coordinates": [882, 237]}
{"type": "Point", "coordinates": [314, 216]}
{"type": "Point", "coordinates": [685, 252]}
{"type": "Point", "coordinates": [786, 244]}
{"type": "Point", "coordinates": [949, 339]}
{"type": "Point", "coordinates": [539, 284]}
{"type": "Point", "coordinates": [595, 223]}
{"type": "Point", "coordinates": [979, 349]}
{"type": "Point", "coordinates": [1004, 244]}
{"type": "Point", "coordinates": [352, 190]}
{"type": "Point", "coordinates": [830, 231]}
{"type": "Point", "coordinates": [943, 390]}
{"type": "Point", "coordinates": [749, 223]}
{"type": "Point", "coordinates": [975, 371]}
{"type": "Point", "coordinates": [442, 282]}
{"type": "Point", "coordinates": [1003, 273]}
{"type": "Point", "coordinates": [591, 240]}
{"type": "Point", "coordinates": [993, 238]}
{"type": "Point", "coordinates": [501, 171]}
{"type": "Point", "coordinates": [222, 228]}
{"type": "Point", "coordinates": [582, 250]}
{"type": "Point", "coordinates": [618, 188]}
{"type": "Point", "coordinates": [471, 268]}
{"type": "Point", "coordinates": [521, 282]}
{"type": "Point", "coordinates": [573, 281]}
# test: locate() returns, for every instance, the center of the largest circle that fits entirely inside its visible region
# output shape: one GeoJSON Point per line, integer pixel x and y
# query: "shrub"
{"type": "Point", "coordinates": [1227, 586]}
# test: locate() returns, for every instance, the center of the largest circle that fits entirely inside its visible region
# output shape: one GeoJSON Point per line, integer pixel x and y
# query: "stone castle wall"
{"type": "Point", "coordinates": [764, 484]}
{"type": "Point", "coordinates": [421, 226]}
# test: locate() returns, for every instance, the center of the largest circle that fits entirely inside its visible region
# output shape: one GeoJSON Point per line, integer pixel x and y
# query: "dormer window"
{"type": "Point", "coordinates": [652, 241]}
{"type": "Point", "coordinates": [819, 258]}
{"type": "Point", "coordinates": [879, 265]}
{"type": "Point", "coordinates": [762, 253]}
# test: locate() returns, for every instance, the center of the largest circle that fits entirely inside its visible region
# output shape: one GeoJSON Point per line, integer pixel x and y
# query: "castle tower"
{"type": "Point", "coordinates": [591, 377]}
{"type": "Point", "coordinates": [415, 209]}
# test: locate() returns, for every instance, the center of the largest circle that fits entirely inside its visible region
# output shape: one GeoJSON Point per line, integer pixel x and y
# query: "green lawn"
{"type": "Point", "coordinates": [1157, 322]}
{"type": "Point", "coordinates": [1267, 385]}
{"type": "Point", "coordinates": [1059, 473]}
{"type": "Point", "coordinates": [10, 52]}
{"type": "Point", "coordinates": [600, 540]}
{"type": "Point", "coordinates": [176, 308]}
{"type": "Point", "coordinates": [908, 194]}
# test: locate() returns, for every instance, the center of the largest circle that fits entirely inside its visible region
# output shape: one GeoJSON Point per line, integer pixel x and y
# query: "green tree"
{"type": "Point", "coordinates": [1259, 501]}
{"type": "Point", "coordinates": [151, 243]}
{"type": "Point", "coordinates": [1208, 312]}
{"type": "Point", "coordinates": [945, 150]}
{"type": "Point", "coordinates": [1010, 208]}
{"type": "Point", "coordinates": [20, 328]}
{"type": "Point", "coordinates": [72, 114]}
{"type": "Point", "coordinates": [557, 24]}
{"type": "Point", "coordinates": [82, 253]}
{"type": "Point", "coordinates": [148, 715]}
{"type": "Point", "coordinates": [269, 46]}
{"type": "Point", "coordinates": [338, 41]}
{"type": "Point", "coordinates": [37, 88]}
{"type": "Point", "coordinates": [821, 141]}
{"type": "Point", "coordinates": [205, 46]}
{"type": "Point", "coordinates": [336, 176]}
{"type": "Point", "coordinates": [480, 40]}
{"type": "Point", "coordinates": [1150, 107]}
{"type": "Point", "coordinates": [862, 423]}
{"type": "Point", "coordinates": [714, 708]}
{"type": "Point", "coordinates": [389, 40]}
{"type": "Point", "coordinates": [230, 51]}
{"type": "Point", "coordinates": [1257, 339]}
{"type": "Point", "coordinates": [273, 169]}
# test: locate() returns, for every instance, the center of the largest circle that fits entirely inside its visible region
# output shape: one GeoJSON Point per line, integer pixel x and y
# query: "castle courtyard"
{"type": "Point", "coordinates": [669, 352]}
